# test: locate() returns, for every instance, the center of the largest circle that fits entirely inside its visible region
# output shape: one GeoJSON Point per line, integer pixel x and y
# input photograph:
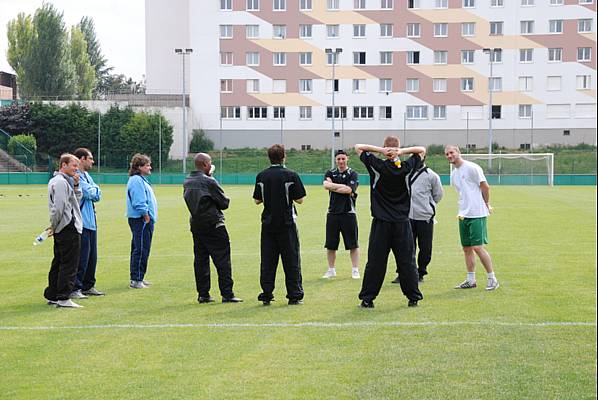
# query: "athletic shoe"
{"type": "Point", "coordinates": [396, 280]}
{"type": "Point", "coordinates": [331, 273]}
{"type": "Point", "coordinates": [77, 294]}
{"type": "Point", "coordinates": [232, 300]}
{"type": "Point", "coordinates": [355, 273]}
{"type": "Point", "coordinates": [67, 304]}
{"type": "Point", "coordinates": [412, 303]}
{"type": "Point", "coordinates": [466, 285]}
{"type": "Point", "coordinates": [146, 283]}
{"type": "Point", "coordinates": [420, 279]}
{"type": "Point", "coordinates": [295, 302]}
{"type": "Point", "coordinates": [492, 284]}
{"type": "Point", "coordinates": [367, 304]}
{"type": "Point", "coordinates": [206, 299]}
{"type": "Point", "coordinates": [93, 292]}
{"type": "Point", "coordinates": [52, 302]}
{"type": "Point", "coordinates": [137, 285]}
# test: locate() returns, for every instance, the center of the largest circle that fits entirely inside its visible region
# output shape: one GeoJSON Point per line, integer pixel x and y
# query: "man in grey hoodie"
{"type": "Point", "coordinates": [65, 225]}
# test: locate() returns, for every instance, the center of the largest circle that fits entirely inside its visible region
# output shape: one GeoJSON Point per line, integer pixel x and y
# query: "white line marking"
{"type": "Point", "coordinates": [340, 325]}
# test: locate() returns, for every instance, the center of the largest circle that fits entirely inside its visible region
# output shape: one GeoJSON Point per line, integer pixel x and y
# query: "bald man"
{"type": "Point", "coordinates": [205, 200]}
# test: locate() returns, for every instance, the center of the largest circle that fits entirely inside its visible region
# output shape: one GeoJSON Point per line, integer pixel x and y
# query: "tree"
{"type": "Point", "coordinates": [141, 135]}
{"type": "Point", "coordinates": [120, 84]}
{"type": "Point", "coordinates": [86, 77]}
{"type": "Point", "coordinates": [200, 142]}
{"type": "Point", "coordinates": [20, 33]}
{"type": "Point", "coordinates": [96, 58]}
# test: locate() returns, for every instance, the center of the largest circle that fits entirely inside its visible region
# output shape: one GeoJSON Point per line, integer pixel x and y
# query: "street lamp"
{"type": "Point", "coordinates": [183, 53]}
{"type": "Point", "coordinates": [490, 52]}
{"type": "Point", "coordinates": [334, 54]}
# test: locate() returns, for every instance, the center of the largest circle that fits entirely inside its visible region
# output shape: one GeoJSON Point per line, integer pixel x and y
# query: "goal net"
{"type": "Point", "coordinates": [515, 169]}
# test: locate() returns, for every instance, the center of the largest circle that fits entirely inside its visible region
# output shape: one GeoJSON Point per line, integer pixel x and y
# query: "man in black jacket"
{"type": "Point", "coordinates": [205, 200]}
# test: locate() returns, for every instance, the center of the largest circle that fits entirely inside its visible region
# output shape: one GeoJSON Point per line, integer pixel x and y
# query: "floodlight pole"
{"type": "Point", "coordinates": [490, 52]}
{"type": "Point", "coordinates": [99, 141]}
{"type": "Point", "coordinates": [334, 54]}
{"type": "Point", "coordinates": [531, 144]}
{"type": "Point", "coordinates": [184, 52]}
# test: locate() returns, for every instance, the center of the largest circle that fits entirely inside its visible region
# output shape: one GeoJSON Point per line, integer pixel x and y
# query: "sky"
{"type": "Point", "coordinates": [119, 24]}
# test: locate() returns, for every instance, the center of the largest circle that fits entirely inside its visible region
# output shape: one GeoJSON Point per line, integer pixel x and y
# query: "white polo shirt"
{"type": "Point", "coordinates": [467, 179]}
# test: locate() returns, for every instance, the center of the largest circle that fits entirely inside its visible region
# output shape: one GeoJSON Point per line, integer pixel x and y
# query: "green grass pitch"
{"type": "Point", "coordinates": [534, 338]}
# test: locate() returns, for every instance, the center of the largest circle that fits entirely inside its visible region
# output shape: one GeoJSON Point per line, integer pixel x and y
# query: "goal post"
{"type": "Point", "coordinates": [515, 168]}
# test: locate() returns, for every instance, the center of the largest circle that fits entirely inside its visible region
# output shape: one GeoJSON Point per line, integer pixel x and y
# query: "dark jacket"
{"type": "Point", "coordinates": [205, 199]}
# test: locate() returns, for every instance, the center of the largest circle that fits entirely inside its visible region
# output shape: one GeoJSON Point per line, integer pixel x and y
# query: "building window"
{"type": "Point", "coordinates": [555, 26]}
{"type": "Point", "coordinates": [525, 110]}
{"type": "Point", "coordinates": [468, 29]}
{"type": "Point", "coordinates": [305, 5]}
{"type": "Point", "coordinates": [226, 5]}
{"type": "Point", "coordinates": [253, 85]}
{"type": "Point", "coordinates": [305, 85]}
{"type": "Point", "coordinates": [332, 31]}
{"type": "Point", "coordinates": [441, 3]}
{"type": "Point", "coordinates": [412, 85]}
{"type": "Point", "coordinates": [497, 3]}
{"type": "Point", "coordinates": [413, 30]}
{"type": "Point", "coordinates": [439, 112]}
{"type": "Point", "coordinates": [439, 85]}
{"type": "Point", "coordinates": [412, 3]}
{"type": "Point", "coordinates": [386, 4]}
{"type": "Point", "coordinates": [359, 57]}
{"type": "Point", "coordinates": [279, 59]}
{"type": "Point", "coordinates": [441, 30]}
{"type": "Point", "coordinates": [527, 27]}
{"type": "Point", "coordinates": [339, 112]}
{"type": "Point", "coordinates": [526, 55]}
{"type": "Point", "coordinates": [279, 31]}
{"type": "Point", "coordinates": [553, 83]}
{"type": "Point", "coordinates": [305, 112]}
{"type": "Point", "coordinates": [257, 112]}
{"type": "Point", "coordinates": [279, 86]}
{"type": "Point", "coordinates": [413, 57]}
{"type": "Point", "coordinates": [466, 84]}
{"type": "Point", "coordinates": [496, 56]}
{"type": "Point", "coordinates": [386, 30]}
{"type": "Point", "coordinates": [496, 112]}
{"type": "Point", "coordinates": [332, 57]}
{"type": "Point", "coordinates": [332, 4]}
{"type": "Point", "coordinates": [555, 55]}
{"type": "Point", "coordinates": [417, 112]}
{"type": "Point", "coordinates": [584, 82]}
{"type": "Point", "coordinates": [226, 58]}
{"type": "Point", "coordinates": [305, 58]}
{"type": "Point", "coordinates": [468, 3]}
{"type": "Point", "coordinates": [230, 112]}
{"type": "Point", "coordinates": [440, 57]}
{"type": "Point", "coordinates": [226, 85]}
{"type": "Point", "coordinates": [363, 112]}
{"type": "Point", "coordinates": [527, 2]}
{"type": "Point", "coordinates": [252, 58]}
{"type": "Point", "coordinates": [526, 83]}
{"type": "Point", "coordinates": [359, 31]}
{"type": "Point", "coordinates": [495, 84]}
{"type": "Point", "coordinates": [386, 57]}
{"type": "Point", "coordinates": [329, 85]}
{"type": "Point", "coordinates": [386, 85]}
{"type": "Point", "coordinates": [279, 5]}
{"type": "Point", "coordinates": [584, 25]}
{"type": "Point", "coordinates": [385, 112]}
{"type": "Point", "coordinates": [496, 28]}
{"type": "Point", "coordinates": [358, 85]}
{"type": "Point", "coordinates": [586, 1]}
{"type": "Point", "coordinates": [305, 31]}
{"type": "Point", "coordinates": [278, 112]}
{"type": "Point", "coordinates": [253, 5]}
{"type": "Point", "coordinates": [226, 31]}
{"type": "Point", "coordinates": [359, 4]}
{"type": "Point", "coordinates": [252, 31]}
{"type": "Point", "coordinates": [467, 56]}
{"type": "Point", "coordinates": [306, 146]}
{"type": "Point", "coordinates": [584, 54]}
{"type": "Point", "coordinates": [557, 2]}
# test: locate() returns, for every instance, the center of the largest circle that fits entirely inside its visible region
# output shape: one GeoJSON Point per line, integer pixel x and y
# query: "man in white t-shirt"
{"type": "Point", "coordinates": [474, 206]}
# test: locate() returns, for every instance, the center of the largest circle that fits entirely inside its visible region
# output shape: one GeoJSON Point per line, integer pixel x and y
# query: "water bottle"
{"type": "Point", "coordinates": [41, 237]}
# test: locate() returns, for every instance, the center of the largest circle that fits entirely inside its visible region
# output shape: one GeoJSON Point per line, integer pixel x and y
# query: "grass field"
{"type": "Point", "coordinates": [534, 338]}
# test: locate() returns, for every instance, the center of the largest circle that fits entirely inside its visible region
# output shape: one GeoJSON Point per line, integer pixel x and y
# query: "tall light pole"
{"type": "Point", "coordinates": [490, 52]}
{"type": "Point", "coordinates": [183, 53]}
{"type": "Point", "coordinates": [334, 54]}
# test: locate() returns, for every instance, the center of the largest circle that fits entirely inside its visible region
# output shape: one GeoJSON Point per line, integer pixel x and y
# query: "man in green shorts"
{"type": "Point", "coordinates": [474, 206]}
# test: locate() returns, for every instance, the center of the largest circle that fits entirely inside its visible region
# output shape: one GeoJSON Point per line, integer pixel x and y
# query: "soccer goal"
{"type": "Point", "coordinates": [515, 169]}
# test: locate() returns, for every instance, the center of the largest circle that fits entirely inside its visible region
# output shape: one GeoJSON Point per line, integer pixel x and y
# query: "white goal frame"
{"type": "Point", "coordinates": [549, 157]}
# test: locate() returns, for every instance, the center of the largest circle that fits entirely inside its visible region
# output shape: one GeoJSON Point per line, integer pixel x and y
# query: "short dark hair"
{"type": "Point", "coordinates": [276, 153]}
{"type": "Point", "coordinates": [82, 152]}
{"type": "Point", "coordinates": [391, 141]}
{"type": "Point", "coordinates": [339, 152]}
{"type": "Point", "coordinates": [138, 161]}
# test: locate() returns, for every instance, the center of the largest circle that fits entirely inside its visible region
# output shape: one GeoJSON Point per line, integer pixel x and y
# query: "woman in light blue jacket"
{"type": "Point", "coordinates": [142, 211]}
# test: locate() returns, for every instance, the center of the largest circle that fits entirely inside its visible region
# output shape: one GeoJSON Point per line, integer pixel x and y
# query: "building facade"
{"type": "Point", "coordinates": [430, 71]}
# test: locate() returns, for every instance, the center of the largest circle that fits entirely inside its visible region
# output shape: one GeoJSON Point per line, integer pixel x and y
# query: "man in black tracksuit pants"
{"type": "Point", "coordinates": [205, 200]}
{"type": "Point", "coordinates": [277, 188]}
{"type": "Point", "coordinates": [390, 224]}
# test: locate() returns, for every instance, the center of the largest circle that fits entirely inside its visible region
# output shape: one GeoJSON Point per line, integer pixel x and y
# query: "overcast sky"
{"type": "Point", "coordinates": [120, 28]}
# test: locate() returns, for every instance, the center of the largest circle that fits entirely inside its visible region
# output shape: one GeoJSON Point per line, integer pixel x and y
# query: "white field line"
{"type": "Point", "coordinates": [325, 325]}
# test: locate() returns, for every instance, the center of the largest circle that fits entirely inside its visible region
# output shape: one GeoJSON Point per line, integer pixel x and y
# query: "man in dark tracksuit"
{"type": "Point", "coordinates": [390, 224]}
{"type": "Point", "coordinates": [277, 188]}
{"type": "Point", "coordinates": [205, 200]}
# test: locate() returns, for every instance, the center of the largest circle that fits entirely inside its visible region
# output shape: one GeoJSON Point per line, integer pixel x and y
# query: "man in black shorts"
{"type": "Point", "coordinates": [277, 188]}
{"type": "Point", "coordinates": [342, 183]}
{"type": "Point", "coordinates": [390, 229]}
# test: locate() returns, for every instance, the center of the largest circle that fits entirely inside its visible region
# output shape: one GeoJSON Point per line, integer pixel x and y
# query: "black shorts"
{"type": "Point", "coordinates": [345, 224]}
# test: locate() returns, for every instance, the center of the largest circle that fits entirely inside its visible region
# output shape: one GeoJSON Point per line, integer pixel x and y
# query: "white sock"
{"type": "Point", "coordinates": [491, 276]}
{"type": "Point", "coordinates": [331, 269]}
{"type": "Point", "coordinates": [356, 268]}
{"type": "Point", "coordinates": [471, 277]}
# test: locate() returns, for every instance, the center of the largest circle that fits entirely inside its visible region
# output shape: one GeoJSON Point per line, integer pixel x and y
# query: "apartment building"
{"type": "Point", "coordinates": [430, 71]}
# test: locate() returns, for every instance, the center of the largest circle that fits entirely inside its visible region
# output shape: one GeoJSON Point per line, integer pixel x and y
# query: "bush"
{"type": "Point", "coordinates": [200, 142]}
{"type": "Point", "coordinates": [16, 144]}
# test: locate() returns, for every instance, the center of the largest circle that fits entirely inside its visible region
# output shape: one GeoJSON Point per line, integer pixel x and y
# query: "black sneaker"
{"type": "Point", "coordinates": [420, 279]}
{"type": "Point", "coordinates": [396, 280]}
{"type": "Point", "coordinates": [295, 302]}
{"type": "Point", "coordinates": [412, 303]}
{"type": "Point", "coordinates": [367, 304]}
{"type": "Point", "coordinates": [266, 302]}
{"type": "Point", "coordinates": [232, 300]}
{"type": "Point", "coordinates": [207, 299]}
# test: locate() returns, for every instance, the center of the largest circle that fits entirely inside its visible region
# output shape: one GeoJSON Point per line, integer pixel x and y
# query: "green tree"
{"type": "Point", "coordinates": [141, 135]}
{"type": "Point", "coordinates": [20, 33]}
{"type": "Point", "coordinates": [86, 76]}
{"type": "Point", "coordinates": [200, 143]}
{"type": "Point", "coordinates": [114, 153]}
{"type": "Point", "coordinates": [96, 58]}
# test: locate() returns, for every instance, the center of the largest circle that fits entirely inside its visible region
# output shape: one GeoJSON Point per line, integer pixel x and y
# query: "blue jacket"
{"type": "Point", "coordinates": [91, 194]}
{"type": "Point", "coordinates": [141, 199]}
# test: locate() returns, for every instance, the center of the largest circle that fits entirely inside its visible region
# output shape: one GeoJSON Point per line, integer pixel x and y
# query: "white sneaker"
{"type": "Point", "coordinates": [146, 283]}
{"type": "Point", "coordinates": [492, 284]}
{"type": "Point", "coordinates": [355, 273]}
{"type": "Point", "coordinates": [137, 285]}
{"type": "Point", "coordinates": [331, 273]}
{"type": "Point", "coordinates": [68, 304]}
{"type": "Point", "coordinates": [77, 294]}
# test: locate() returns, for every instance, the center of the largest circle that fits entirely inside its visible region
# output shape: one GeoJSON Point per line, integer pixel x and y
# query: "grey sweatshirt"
{"type": "Point", "coordinates": [426, 192]}
{"type": "Point", "coordinates": [63, 203]}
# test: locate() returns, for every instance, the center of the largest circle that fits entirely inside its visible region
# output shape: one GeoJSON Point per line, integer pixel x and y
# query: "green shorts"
{"type": "Point", "coordinates": [473, 231]}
